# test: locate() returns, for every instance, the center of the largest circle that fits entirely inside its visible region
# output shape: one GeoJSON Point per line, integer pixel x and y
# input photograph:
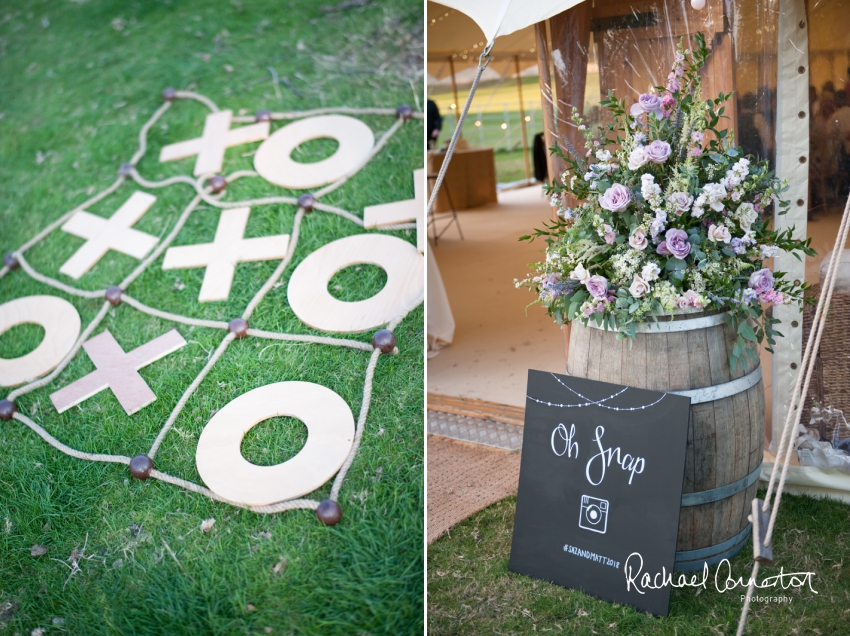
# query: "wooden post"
{"type": "Point", "coordinates": [454, 91]}
{"type": "Point", "coordinates": [522, 122]}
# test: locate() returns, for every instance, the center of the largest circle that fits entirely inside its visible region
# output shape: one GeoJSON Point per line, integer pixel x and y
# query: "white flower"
{"type": "Point", "coordinates": [639, 287]}
{"type": "Point", "coordinates": [638, 239]}
{"type": "Point", "coordinates": [769, 251]}
{"type": "Point", "coordinates": [746, 215]}
{"type": "Point", "coordinates": [580, 274]}
{"type": "Point", "coordinates": [603, 155]}
{"type": "Point", "coordinates": [589, 175]}
{"type": "Point", "coordinates": [650, 271]}
{"type": "Point", "coordinates": [648, 187]}
{"type": "Point", "coordinates": [656, 227]}
{"type": "Point", "coordinates": [719, 233]}
{"type": "Point", "coordinates": [714, 194]}
{"type": "Point", "coordinates": [637, 158]}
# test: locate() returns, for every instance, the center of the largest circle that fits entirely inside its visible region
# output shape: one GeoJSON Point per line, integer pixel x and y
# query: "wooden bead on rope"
{"type": "Point", "coordinates": [10, 261]}
{"type": "Point", "coordinates": [307, 201]}
{"type": "Point", "coordinates": [329, 512]}
{"type": "Point", "coordinates": [384, 339]}
{"type": "Point", "coordinates": [7, 410]}
{"type": "Point", "coordinates": [113, 295]}
{"type": "Point", "coordinates": [169, 94]}
{"type": "Point", "coordinates": [218, 184]}
{"type": "Point", "coordinates": [238, 327]}
{"type": "Point", "coordinates": [404, 112]}
{"type": "Point", "coordinates": [263, 115]}
{"type": "Point", "coordinates": [141, 467]}
{"type": "Point", "coordinates": [126, 170]}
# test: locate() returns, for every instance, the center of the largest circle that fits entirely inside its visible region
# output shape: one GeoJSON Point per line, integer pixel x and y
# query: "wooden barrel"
{"type": "Point", "coordinates": [690, 356]}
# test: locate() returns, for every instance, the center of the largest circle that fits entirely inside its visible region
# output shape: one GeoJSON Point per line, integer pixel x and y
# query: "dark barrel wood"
{"type": "Point", "coordinates": [725, 436]}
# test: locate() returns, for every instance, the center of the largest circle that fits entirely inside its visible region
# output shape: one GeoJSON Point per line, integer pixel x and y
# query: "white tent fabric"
{"type": "Point", "coordinates": [502, 17]}
{"type": "Point", "coordinates": [441, 322]}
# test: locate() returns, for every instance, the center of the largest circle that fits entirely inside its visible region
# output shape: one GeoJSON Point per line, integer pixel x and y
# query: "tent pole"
{"type": "Point", "coordinates": [522, 122]}
{"type": "Point", "coordinates": [454, 91]}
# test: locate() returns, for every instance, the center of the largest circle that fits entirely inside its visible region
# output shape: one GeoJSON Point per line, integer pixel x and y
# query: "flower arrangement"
{"type": "Point", "coordinates": [674, 217]}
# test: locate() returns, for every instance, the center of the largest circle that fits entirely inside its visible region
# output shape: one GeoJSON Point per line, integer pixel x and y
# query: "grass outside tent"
{"type": "Point", "coordinates": [77, 81]}
{"type": "Point", "coordinates": [471, 591]}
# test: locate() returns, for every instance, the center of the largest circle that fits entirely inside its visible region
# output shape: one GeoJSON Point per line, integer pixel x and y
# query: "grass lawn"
{"type": "Point", "coordinates": [77, 81]}
{"type": "Point", "coordinates": [470, 590]}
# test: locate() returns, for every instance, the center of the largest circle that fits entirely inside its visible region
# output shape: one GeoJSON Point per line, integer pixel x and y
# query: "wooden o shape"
{"type": "Point", "coordinates": [330, 435]}
{"type": "Point", "coordinates": [61, 324]}
{"type": "Point", "coordinates": [308, 288]}
{"type": "Point", "coordinates": [275, 165]}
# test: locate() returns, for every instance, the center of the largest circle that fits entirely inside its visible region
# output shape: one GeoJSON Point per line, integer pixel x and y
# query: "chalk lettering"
{"type": "Point", "coordinates": [634, 465]}
{"type": "Point", "coordinates": [567, 438]}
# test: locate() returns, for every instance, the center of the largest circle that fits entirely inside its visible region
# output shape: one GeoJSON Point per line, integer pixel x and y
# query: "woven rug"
{"type": "Point", "coordinates": [463, 479]}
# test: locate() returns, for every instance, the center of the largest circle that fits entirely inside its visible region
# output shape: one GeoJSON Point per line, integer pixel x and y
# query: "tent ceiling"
{"type": "Point", "coordinates": [454, 35]}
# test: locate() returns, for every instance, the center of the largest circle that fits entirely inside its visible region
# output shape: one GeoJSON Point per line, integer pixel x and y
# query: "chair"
{"type": "Point", "coordinates": [434, 216]}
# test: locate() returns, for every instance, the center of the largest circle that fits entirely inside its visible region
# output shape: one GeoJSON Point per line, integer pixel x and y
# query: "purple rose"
{"type": "Point", "coordinates": [761, 281]}
{"type": "Point", "coordinates": [597, 286]}
{"type": "Point", "coordinates": [647, 103]}
{"type": "Point", "coordinates": [658, 151]}
{"type": "Point", "coordinates": [616, 198]}
{"type": "Point", "coordinates": [676, 244]}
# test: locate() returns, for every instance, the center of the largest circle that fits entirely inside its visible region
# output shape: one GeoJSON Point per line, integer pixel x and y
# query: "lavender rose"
{"type": "Point", "coordinates": [761, 281]}
{"type": "Point", "coordinates": [616, 198]}
{"type": "Point", "coordinates": [676, 244]}
{"type": "Point", "coordinates": [658, 151]}
{"type": "Point", "coordinates": [682, 201]}
{"type": "Point", "coordinates": [597, 286]}
{"type": "Point", "coordinates": [647, 103]}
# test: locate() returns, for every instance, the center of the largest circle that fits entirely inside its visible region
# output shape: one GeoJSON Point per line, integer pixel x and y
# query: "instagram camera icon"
{"type": "Point", "coordinates": [594, 514]}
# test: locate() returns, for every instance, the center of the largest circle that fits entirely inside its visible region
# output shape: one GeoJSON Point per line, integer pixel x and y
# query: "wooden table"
{"type": "Point", "coordinates": [471, 178]}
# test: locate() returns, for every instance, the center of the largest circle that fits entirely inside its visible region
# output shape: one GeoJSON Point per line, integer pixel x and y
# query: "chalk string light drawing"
{"type": "Point", "coordinates": [209, 189]}
{"type": "Point", "coordinates": [591, 402]}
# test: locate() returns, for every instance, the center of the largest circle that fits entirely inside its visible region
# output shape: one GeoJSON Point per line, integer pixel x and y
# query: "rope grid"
{"type": "Point", "coordinates": [204, 194]}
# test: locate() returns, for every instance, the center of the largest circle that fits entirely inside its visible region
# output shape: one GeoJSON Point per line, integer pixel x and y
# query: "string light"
{"type": "Point", "coordinates": [591, 402]}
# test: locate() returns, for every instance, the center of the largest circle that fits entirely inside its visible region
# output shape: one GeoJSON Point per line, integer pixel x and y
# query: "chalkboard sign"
{"type": "Point", "coordinates": [600, 482]}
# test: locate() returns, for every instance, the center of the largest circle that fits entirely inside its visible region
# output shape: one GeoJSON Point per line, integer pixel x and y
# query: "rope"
{"type": "Point", "coordinates": [483, 61]}
{"type": "Point", "coordinates": [55, 443]}
{"type": "Point", "coordinates": [204, 194]}
{"type": "Point", "coordinates": [195, 322]}
{"type": "Point", "coordinates": [361, 424]}
{"type": "Point", "coordinates": [143, 133]}
{"type": "Point", "coordinates": [55, 283]}
{"type": "Point", "coordinates": [206, 101]}
{"type": "Point", "coordinates": [247, 119]}
{"type": "Point", "coordinates": [795, 411]}
{"type": "Point", "coordinates": [338, 342]}
{"type": "Point", "coordinates": [278, 272]}
{"type": "Point", "coordinates": [188, 393]}
{"type": "Point", "coordinates": [181, 221]}
{"type": "Point", "coordinates": [278, 507]}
